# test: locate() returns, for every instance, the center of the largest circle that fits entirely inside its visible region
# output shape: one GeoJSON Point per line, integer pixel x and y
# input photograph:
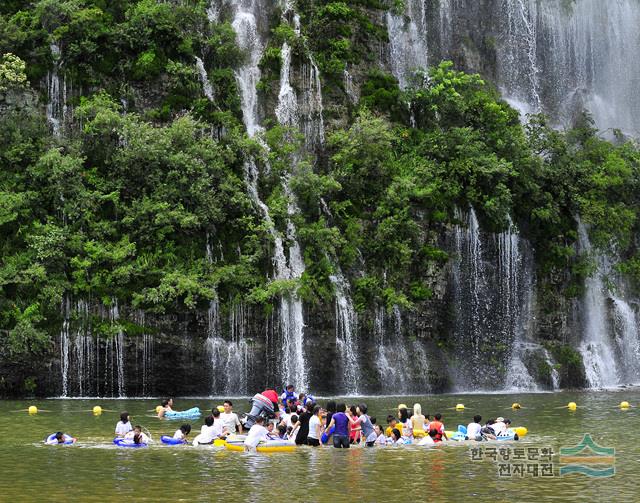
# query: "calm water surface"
{"type": "Point", "coordinates": [95, 470]}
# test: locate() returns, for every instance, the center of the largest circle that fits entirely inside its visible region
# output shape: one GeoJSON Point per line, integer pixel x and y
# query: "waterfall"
{"type": "Point", "coordinates": [627, 339]}
{"type": "Point", "coordinates": [230, 360]}
{"type": "Point", "coordinates": [559, 57]}
{"type": "Point", "coordinates": [346, 333]}
{"type": "Point", "coordinates": [515, 273]}
{"type": "Point", "coordinates": [597, 352]}
{"type": "Point", "coordinates": [392, 357]}
{"type": "Point", "coordinates": [407, 41]}
{"type": "Point", "coordinates": [145, 353]}
{"type": "Point", "coordinates": [57, 94]}
{"type": "Point", "coordinates": [85, 350]}
{"type": "Point", "coordinates": [350, 88]}
{"type": "Point", "coordinates": [117, 348]}
{"type": "Point", "coordinates": [293, 368]}
{"type": "Point", "coordinates": [64, 344]}
{"type": "Point", "coordinates": [207, 88]}
{"type": "Point", "coordinates": [492, 295]}
{"type": "Point", "coordinates": [518, 64]}
{"type": "Point", "coordinates": [287, 107]}
{"type": "Point", "coordinates": [312, 109]}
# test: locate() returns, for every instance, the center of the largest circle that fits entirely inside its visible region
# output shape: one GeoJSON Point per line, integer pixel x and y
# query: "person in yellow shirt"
{"type": "Point", "coordinates": [392, 422]}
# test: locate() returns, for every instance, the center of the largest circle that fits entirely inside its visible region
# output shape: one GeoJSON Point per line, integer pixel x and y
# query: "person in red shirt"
{"type": "Point", "coordinates": [437, 426]}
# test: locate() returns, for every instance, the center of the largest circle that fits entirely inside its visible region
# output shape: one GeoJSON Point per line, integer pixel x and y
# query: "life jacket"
{"type": "Point", "coordinates": [289, 395]}
{"type": "Point", "coordinates": [438, 427]}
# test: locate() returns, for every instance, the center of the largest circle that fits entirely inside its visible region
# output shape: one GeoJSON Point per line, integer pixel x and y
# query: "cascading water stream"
{"type": "Point", "coordinates": [597, 352]}
{"type": "Point", "coordinates": [230, 359]}
{"type": "Point", "coordinates": [493, 296]}
{"type": "Point", "coordinates": [407, 41]}
{"type": "Point", "coordinates": [207, 88]}
{"type": "Point", "coordinates": [293, 365]}
{"type": "Point", "coordinates": [118, 349]}
{"type": "Point", "coordinates": [346, 331]}
{"type": "Point", "coordinates": [64, 344]}
{"type": "Point", "coordinates": [560, 57]}
{"type": "Point", "coordinates": [56, 92]}
{"type": "Point", "coordinates": [625, 324]}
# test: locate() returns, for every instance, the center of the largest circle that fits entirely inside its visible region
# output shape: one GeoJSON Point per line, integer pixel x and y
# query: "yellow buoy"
{"type": "Point", "coordinates": [624, 405]}
{"type": "Point", "coordinates": [516, 406]}
{"type": "Point", "coordinates": [97, 410]}
{"type": "Point", "coordinates": [33, 410]}
{"type": "Point", "coordinates": [572, 406]}
{"type": "Point", "coordinates": [158, 409]}
{"type": "Point", "coordinates": [220, 408]}
{"type": "Point", "coordinates": [521, 431]}
{"type": "Point", "coordinates": [459, 406]}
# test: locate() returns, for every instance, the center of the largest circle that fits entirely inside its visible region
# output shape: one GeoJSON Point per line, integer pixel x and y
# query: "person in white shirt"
{"type": "Point", "coordinates": [182, 432]}
{"type": "Point", "coordinates": [207, 434]}
{"type": "Point", "coordinates": [137, 431]}
{"type": "Point", "coordinates": [124, 425]}
{"type": "Point", "coordinates": [474, 429]}
{"type": "Point", "coordinates": [499, 427]}
{"type": "Point", "coordinates": [381, 439]}
{"type": "Point", "coordinates": [230, 418]}
{"type": "Point", "coordinates": [429, 439]}
{"type": "Point", "coordinates": [315, 428]}
{"type": "Point", "coordinates": [257, 433]}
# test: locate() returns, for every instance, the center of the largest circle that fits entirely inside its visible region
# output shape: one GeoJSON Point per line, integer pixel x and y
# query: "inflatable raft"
{"type": "Point", "coordinates": [165, 439]}
{"type": "Point", "coordinates": [268, 446]}
{"type": "Point", "coordinates": [192, 413]}
{"type": "Point", "coordinates": [127, 442]}
{"type": "Point", "coordinates": [68, 440]}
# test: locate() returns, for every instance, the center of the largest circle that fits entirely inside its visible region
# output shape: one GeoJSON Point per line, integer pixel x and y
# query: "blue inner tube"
{"type": "Point", "coordinates": [165, 439]}
{"type": "Point", "coordinates": [185, 414]}
{"type": "Point", "coordinates": [68, 440]}
{"type": "Point", "coordinates": [327, 434]}
{"type": "Point", "coordinates": [125, 442]}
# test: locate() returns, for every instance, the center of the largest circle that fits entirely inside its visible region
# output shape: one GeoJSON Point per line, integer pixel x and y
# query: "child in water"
{"type": "Point", "coordinates": [124, 425]}
{"type": "Point", "coordinates": [183, 432]}
{"type": "Point", "coordinates": [60, 438]}
{"type": "Point", "coordinates": [380, 439]}
{"type": "Point", "coordinates": [137, 435]}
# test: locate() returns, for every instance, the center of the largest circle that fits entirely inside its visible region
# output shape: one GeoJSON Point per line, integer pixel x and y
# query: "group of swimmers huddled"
{"type": "Point", "coordinates": [299, 420]}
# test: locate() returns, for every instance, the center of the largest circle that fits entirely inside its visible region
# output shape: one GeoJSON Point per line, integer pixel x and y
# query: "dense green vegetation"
{"type": "Point", "coordinates": [125, 203]}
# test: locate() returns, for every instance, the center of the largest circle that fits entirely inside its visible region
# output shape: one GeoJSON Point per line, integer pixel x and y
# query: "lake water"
{"type": "Point", "coordinates": [95, 470]}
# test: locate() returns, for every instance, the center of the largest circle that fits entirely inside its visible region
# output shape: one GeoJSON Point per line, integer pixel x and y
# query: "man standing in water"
{"type": "Point", "coordinates": [230, 419]}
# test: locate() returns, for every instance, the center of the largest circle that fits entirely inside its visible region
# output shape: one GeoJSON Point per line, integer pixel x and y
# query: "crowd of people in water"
{"type": "Point", "coordinates": [298, 419]}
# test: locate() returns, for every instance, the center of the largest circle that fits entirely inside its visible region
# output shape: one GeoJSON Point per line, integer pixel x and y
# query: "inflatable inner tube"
{"type": "Point", "coordinates": [192, 413]}
{"type": "Point", "coordinates": [165, 439]}
{"type": "Point", "coordinates": [51, 440]}
{"type": "Point", "coordinates": [127, 442]}
{"type": "Point", "coordinates": [327, 434]}
{"type": "Point", "coordinates": [267, 446]}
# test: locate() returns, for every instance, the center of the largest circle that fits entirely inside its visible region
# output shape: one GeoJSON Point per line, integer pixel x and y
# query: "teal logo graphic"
{"type": "Point", "coordinates": [588, 458]}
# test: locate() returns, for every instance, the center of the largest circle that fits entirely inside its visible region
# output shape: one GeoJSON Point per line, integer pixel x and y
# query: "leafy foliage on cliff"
{"type": "Point", "coordinates": [148, 204]}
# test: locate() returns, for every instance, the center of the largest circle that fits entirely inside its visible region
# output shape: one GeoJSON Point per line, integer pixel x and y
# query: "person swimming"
{"type": "Point", "coordinates": [60, 438]}
{"type": "Point", "coordinates": [167, 406]}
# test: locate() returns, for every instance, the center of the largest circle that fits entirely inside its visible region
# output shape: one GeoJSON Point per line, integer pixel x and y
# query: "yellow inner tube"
{"type": "Point", "coordinates": [419, 433]}
{"type": "Point", "coordinates": [262, 448]}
